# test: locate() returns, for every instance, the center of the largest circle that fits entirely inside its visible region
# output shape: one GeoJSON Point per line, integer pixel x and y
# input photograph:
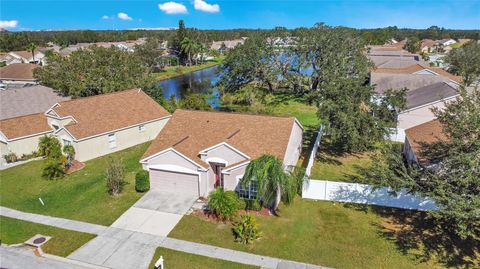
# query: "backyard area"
{"type": "Point", "coordinates": [81, 195]}
{"type": "Point", "coordinates": [340, 167]}
{"type": "Point", "coordinates": [318, 232]}
{"type": "Point", "coordinates": [62, 243]}
{"type": "Point", "coordinates": [176, 259]}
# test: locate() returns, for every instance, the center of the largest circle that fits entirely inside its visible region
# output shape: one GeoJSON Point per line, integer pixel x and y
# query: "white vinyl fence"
{"type": "Point", "coordinates": [363, 194]}
{"type": "Point", "coordinates": [313, 153]}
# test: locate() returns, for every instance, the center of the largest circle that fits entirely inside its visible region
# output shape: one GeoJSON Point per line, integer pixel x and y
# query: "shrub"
{"type": "Point", "coordinates": [224, 204]}
{"type": "Point", "coordinates": [49, 147]}
{"type": "Point", "coordinates": [254, 205]}
{"type": "Point", "coordinates": [53, 169]}
{"type": "Point", "coordinates": [246, 230]}
{"type": "Point", "coordinates": [10, 157]}
{"type": "Point", "coordinates": [70, 151]}
{"type": "Point", "coordinates": [142, 183]}
{"type": "Point", "coordinates": [115, 176]}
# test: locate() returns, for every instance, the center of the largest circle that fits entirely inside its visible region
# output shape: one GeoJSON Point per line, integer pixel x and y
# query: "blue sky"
{"type": "Point", "coordinates": [17, 15]}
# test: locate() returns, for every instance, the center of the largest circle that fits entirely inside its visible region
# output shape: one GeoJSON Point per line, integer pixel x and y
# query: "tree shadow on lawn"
{"type": "Point", "coordinates": [417, 232]}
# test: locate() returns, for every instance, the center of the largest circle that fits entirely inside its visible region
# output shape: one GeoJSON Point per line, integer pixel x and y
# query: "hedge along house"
{"type": "Point", "coordinates": [102, 124]}
{"type": "Point", "coordinates": [198, 151]}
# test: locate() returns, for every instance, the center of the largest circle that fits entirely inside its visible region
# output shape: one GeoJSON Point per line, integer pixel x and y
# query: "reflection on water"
{"type": "Point", "coordinates": [200, 81]}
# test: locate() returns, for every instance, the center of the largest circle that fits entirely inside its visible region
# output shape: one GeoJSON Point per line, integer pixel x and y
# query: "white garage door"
{"type": "Point", "coordinates": [174, 182]}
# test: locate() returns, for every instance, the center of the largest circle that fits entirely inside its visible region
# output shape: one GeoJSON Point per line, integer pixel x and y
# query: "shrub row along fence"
{"type": "Point", "coordinates": [363, 194]}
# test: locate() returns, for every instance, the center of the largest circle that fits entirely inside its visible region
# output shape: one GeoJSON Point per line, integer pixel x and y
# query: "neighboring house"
{"type": "Point", "coordinates": [226, 44]}
{"type": "Point", "coordinates": [427, 45]}
{"type": "Point", "coordinates": [18, 75]}
{"type": "Point", "coordinates": [102, 124]}
{"type": "Point", "coordinates": [24, 56]}
{"type": "Point", "coordinates": [385, 81]}
{"type": "Point", "coordinates": [15, 102]}
{"type": "Point", "coordinates": [198, 151]}
{"type": "Point", "coordinates": [95, 126]}
{"type": "Point", "coordinates": [446, 42]}
{"type": "Point", "coordinates": [420, 102]}
{"type": "Point", "coordinates": [428, 132]}
{"type": "Point", "coordinates": [420, 69]}
{"type": "Point", "coordinates": [20, 135]}
{"type": "Point", "coordinates": [6, 59]}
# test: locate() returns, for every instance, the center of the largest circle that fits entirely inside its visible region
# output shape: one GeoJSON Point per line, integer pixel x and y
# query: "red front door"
{"type": "Point", "coordinates": [217, 170]}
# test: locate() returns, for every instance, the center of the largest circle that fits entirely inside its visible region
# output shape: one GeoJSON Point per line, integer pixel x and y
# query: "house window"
{"type": "Point", "coordinates": [112, 141]}
{"type": "Point", "coordinates": [249, 192]}
{"type": "Point", "coordinates": [141, 128]}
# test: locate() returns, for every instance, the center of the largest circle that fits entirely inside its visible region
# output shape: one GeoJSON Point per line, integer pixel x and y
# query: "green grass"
{"type": "Point", "coordinates": [180, 260]}
{"type": "Point", "coordinates": [81, 195]}
{"type": "Point", "coordinates": [343, 168]}
{"type": "Point", "coordinates": [62, 243]}
{"type": "Point", "coordinates": [305, 114]}
{"type": "Point", "coordinates": [317, 232]}
{"type": "Point", "coordinates": [175, 71]}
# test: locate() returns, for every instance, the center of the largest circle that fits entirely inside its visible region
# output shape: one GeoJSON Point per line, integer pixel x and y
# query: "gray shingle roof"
{"type": "Point", "coordinates": [385, 81]}
{"type": "Point", "coordinates": [430, 93]}
{"type": "Point", "coordinates": [15, 102]}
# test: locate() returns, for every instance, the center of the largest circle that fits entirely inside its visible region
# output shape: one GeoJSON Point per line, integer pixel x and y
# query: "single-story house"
{"type": "Point", "coordinates": [384, 81]}
{"type": "Point", "coordinates": [420, 102]}
{"type": "Point", "coordinates": [102, 124]}
{"type": "Point", "coordinates": [18, 75]}
{"type": "Point", "coordinates": [24, 56]}
{"type": "Point", "coordinates": [419, 69]}
{"type": "Point", "coordinates": [95, 126]}
{"type": "Point", "coordinates": [20, 135]}
{"type": "Point", "coordinates": [198, 151]}
{"type": "Point", "coordinates": [427, 45]}
{"type": "Point", "coordinates": [446, 42]}
{"type": "Point", "coordinates": [226, 44]}
{"type": "Point", "coordinates": [427, 132]}
{"type": "Point", "coordinates": [21, 101]}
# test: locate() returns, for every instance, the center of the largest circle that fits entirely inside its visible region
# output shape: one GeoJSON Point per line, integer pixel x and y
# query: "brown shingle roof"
{"type": "Point", "coordinates": [427, 132]}
{"type": "Point", "coordinates": [107, 112]}
{"type": "Point", "coordinates": [19, 71]}
{"type": "Point", "coordinates": [24, 126]}
{"type": "Point", "coordinates": [23, 53]}
{"type": "Point", "coordinates": [418, 67]}
{"type": "Point", "coordinates": [189, 132]}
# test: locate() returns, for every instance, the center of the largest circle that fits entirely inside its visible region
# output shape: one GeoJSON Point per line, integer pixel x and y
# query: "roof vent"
{"type": "Point", "coordinates": [38, 240]}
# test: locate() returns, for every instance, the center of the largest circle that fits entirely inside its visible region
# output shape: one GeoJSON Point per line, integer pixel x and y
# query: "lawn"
{"type": "Point", "coordinates": [81, 195]}
{"type": "Point", "coordinates": [62, 243]}
{"type": "Point", "coordinates": [305, 114]}
{"type": "Point", "coordinates": [175, 71]}
{"type": "Point", "coordinates": [340, 167]}
{"type": "Point", "coordinates": [179, 260]}
{"type": "Point", "coordinates": [318, 232]}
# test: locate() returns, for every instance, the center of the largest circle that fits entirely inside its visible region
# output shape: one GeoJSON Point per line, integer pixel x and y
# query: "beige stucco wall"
{"type": "Point", "coordinates": [172, 158]}
{"type": "Point", "coordinates": [98, 146]}
{"type": "Point", "coordinates": [225, 153]}
{"type": "Point", "coordinates": [230, 180]}
{"type": "Point", "coordinates": [294, 148]}
{"type": "Point", "coordinates": [21, 146]}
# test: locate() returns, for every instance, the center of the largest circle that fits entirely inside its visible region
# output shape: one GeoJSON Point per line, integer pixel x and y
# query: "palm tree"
{"type": "Point", "coordinates": [32, 47]}
{"type": "Point", "coordinates": [188, 46]}
{"type": "Point", "coordinates": [274, 184]}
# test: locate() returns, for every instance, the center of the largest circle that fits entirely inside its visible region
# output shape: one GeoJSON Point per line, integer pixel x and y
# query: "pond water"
{"type": "Point", "coordinates": [201, 81]}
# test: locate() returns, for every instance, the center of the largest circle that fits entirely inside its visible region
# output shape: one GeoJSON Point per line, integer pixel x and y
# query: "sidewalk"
{"type": "Point", "coordinates": [119, 248]}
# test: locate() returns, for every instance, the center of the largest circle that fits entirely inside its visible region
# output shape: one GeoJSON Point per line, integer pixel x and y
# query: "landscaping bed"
{"type": "Point", "coordinates": [80, 196]}
{"type": "Point", "coordinates": [330, 234]}
{"type": "Point", "coordinates": [63, 242]}
{"type": "Point", "coordinates": [177, 259]}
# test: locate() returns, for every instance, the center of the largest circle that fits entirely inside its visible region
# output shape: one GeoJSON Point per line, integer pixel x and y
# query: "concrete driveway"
{"type": "Point", "coordinates": [155, 213]}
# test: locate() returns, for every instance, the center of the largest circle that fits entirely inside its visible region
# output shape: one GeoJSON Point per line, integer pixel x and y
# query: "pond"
{"type": "Point", "coordinates": [201, 81]}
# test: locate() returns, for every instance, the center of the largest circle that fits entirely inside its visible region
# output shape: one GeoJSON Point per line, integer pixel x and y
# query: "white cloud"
{"type": "Point", "coordinates": [173, 8]}
{"type": "Point", "coordinates": [124, 16]}
{"type": "Point", "coordinates": [8, 24]}
{"type": "Point", "coordinates": [105, 17]}
{"type": "Point", "coordinates": [204, 6]}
